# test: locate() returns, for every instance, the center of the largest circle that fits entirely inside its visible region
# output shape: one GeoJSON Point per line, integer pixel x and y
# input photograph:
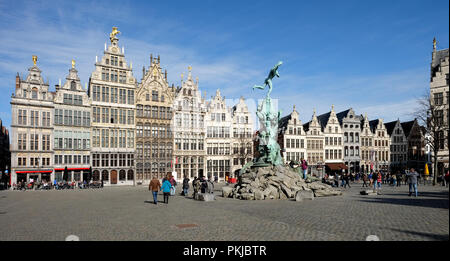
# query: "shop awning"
{"type": "Point", "coordinates": [34, 171]}
{"type": "Point", "coordinates": [336, 166]}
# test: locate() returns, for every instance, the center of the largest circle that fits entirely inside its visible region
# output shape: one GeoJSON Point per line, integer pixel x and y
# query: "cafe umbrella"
{"type": "Point", "coordinates": [66, 174]}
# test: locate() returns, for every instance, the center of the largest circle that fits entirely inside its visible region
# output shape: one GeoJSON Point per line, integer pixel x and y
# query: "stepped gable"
{"type": "Point", "coordinates": [407, 126]}
{"type": "Point", "coordinates": [390, 126]}
{"type": "Point", "coordinates": [373, 125]}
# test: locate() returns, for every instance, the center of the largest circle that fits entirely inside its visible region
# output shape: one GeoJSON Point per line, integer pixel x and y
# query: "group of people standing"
{"type": "Point", "coordinates": [168, 187]}
{"type": "Point", "coordinates": [377, 178]}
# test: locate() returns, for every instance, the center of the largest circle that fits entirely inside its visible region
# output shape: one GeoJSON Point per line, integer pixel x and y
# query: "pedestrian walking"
{"type": "Point", "coordinates": [173, 182]}
{"type": "Point", "coordinates": [394, 180]}
{"type": "Point", "coordinates": [304, 167]}
{"type": "Point", "coordinates": [379, 180]}
{"type": "Point", "coordinates": [375, 180]}
{"type": "Point", "coordinates": [185, 185]}
{"type": "Point", "coordinates": [154, 187]}
{"type": "Point", "coordinates": [347, 179]}
{"type": "Point", "coordinates": [166, 187]}
{"type": "Point", "coordinates": [364, 179]}
{"type": "Point", "coordinates": [370, 178]}
{"type": "Point", "coordinates": [446, 178]}
{"type": "Point", "coordinates": [412, 181]}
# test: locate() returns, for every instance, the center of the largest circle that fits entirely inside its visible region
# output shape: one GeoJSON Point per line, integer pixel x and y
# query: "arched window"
{"type": "Point", "coordinates": [34, 93]}
{"type": "Point", "coordinates": [346, 137]}
{"type": "Point", "coordinates": [105, 175]}
{"type": "Point", "coordinates": [73, 86]}
{"type": "Point", "coordinates": [351, 151]}
{"type": "Point", "coordinates": [140, 111]}
{"type": "Point", "coordinates": [130, 175]}
{"type": "Point", "coordinates": [122, 174]}
{"type": "Point", "coordinates": [96, 175]}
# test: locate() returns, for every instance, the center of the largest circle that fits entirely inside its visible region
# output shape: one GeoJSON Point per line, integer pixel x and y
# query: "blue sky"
{"type": "Point", "coordinates": [373, 56]}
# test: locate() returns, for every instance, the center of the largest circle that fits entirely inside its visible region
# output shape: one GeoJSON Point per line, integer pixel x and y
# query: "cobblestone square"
{"type": "Point", "coordinates": [127, 213]}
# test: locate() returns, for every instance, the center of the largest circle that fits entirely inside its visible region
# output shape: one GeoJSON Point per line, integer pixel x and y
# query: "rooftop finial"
{"type": "Point", "coordinates": [73, 64]}
{"type": "Point", "coordinates": [434, 43]}
{"type": "Point", "coordinates": [294, 107]}
{"type": "Point", "coordinates": [332, 107]}
{"type": "Point", "coordinates": [190, 68]}
{"type": "Point", "coordinates": [112, 35]}
{"type": "Point", "coordinates": [34, 59]}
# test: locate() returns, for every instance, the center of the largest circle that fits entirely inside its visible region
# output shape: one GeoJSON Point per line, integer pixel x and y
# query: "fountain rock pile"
{"type": "Point", "coordinates": [276, 182]}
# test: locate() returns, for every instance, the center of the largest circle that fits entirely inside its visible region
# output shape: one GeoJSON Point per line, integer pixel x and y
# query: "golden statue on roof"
{"type": "Point", "coordinates": [34, 59]}
{"type": "Point", "coordinates": [73, 63]}
{"type": "Point", "coordinates": [114, 32]}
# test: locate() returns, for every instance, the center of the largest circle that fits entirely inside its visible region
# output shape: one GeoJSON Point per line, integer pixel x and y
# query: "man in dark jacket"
{"type": "Point", "coordinates": [412, 181]}
{"type": "Point", "coordinates": [204, 185]}
{"type": "Point", "coordinates": [185, 185]}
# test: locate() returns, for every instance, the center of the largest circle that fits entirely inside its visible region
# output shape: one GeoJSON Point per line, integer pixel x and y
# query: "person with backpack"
{"type": "Point", "coordinates": [166, 188]}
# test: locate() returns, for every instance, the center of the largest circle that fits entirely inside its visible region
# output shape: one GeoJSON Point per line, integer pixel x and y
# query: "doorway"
{"type": "Point", "coordinates": [113, 176]}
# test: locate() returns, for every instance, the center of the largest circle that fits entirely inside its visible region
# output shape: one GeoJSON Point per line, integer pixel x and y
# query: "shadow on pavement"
{"type": "Point", "coordinates": [427, 194]}
{"type": "Point", "coordinates": [420, 201]}
{"type": "Point", "coordinates": [432, 236]}
{"type": "Point", "coordinates": [151, 202]}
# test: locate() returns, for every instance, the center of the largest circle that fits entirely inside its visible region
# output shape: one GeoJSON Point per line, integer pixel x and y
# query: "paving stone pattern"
{"type": "Point", "coordinates": [127, 213]}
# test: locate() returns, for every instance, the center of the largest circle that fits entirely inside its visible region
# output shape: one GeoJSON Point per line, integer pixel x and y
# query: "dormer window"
{"type": "Point", "coordinates": [24, 93]}
{"type": "Point", "coordinates": [107, 61]}
{"type": "Point", "coordinates": [34, 93]}
{"type": "Point", "coordinates": [44, 96]}
{"type": "Point", "coordinates": [73, 86]}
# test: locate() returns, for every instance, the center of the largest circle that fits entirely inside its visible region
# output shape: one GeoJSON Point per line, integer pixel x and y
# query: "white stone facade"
{"type": "Point", "coordinates": [31, 128]}
{"type": "Point", "coordinates": [293, 138]}
{"type": "Point", "coordinates": [367, 146]}
{"type": "Point", "coordinates": [189, 154]}
{"type": "Point", "coordinates": [112, 90]}
{"type": "Point", "coordinates": [72, 130]}
{"type": "Point", "coordinates": [218, 123]}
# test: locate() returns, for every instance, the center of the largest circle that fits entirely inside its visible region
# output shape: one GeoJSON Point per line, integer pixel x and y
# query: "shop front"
{"type": "Point", "coordinates": [35, 175]}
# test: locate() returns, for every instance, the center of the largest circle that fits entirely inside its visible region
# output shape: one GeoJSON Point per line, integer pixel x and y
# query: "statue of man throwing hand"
{"type": "Point", "coordinates": [268, 81]}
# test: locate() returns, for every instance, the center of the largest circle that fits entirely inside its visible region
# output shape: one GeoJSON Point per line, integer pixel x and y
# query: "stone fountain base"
{"type": "Point", "coordinates": [276, 182]}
